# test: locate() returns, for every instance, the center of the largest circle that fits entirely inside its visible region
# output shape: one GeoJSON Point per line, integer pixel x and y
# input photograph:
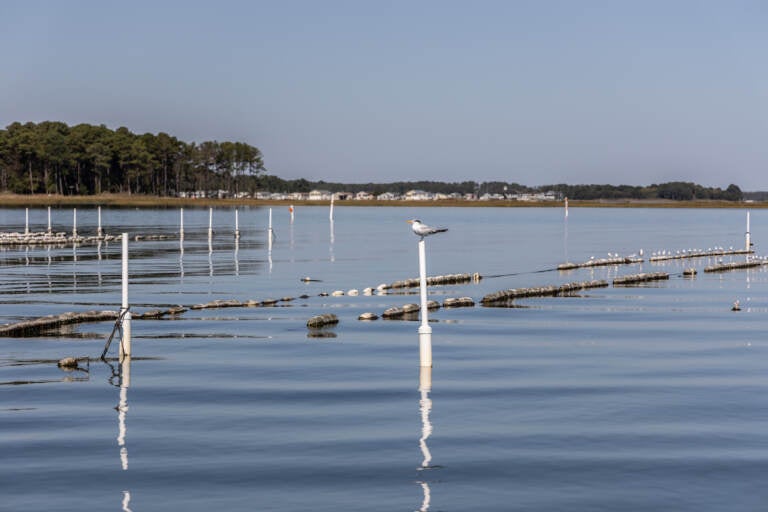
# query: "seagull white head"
{"type": "Point", "coordinates": [422, 230]}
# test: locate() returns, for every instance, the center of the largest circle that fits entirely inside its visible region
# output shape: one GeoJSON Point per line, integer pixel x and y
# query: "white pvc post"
{"type": "Point", "coordinates": [99, 231]}
{"type": "Point", "coordinates": [125, 345]}
{"type": "Point", "coordinates": [49, 220]}
{"type": "Point", "coordinates": [74, 222]}
{"type": "Point", "coordinates": [425, 331]}
{"type": "Point", "coordinates": [237, 224]}
{"type": "Point", "coordinates": [181, 225]}
{"type": "Point", "coordinates": [290, 209]}
{"type": "Point", "coordinates": [269, 232]}
{"type": "Point", "coordinates": [566, 207]}
{"type": "Point", "coordinates": [210, 223]}
{"type": "Point", "coordinates": [748, 236]}
{"type": "Point", "coordinates": [26, 221]}
{"type": "Point", "coordinates": [330, 214]}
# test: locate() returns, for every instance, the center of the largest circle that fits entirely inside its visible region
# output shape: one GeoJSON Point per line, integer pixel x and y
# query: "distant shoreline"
{"type": "Point", "coordinates": [139, 201]}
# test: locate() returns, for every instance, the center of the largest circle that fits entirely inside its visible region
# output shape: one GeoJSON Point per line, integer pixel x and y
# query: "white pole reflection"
{"type": "Point", "coordinates": [122, 410]}
{"type": "Point", "coordinates": [425, 406]}
{"type": "Point", "coordinates": [210, 258]}
{"type": "Point", "coordinates": [237, 258]}
{"type": "Point", "coordinates": [181, 260]}
{"type": "Point", "coordinates": [74, 266]}
{"type": "Point", "coordinates": [291, 235]}
{"type": "Point", "coordinates": [126, 501]}
{"type": "Point", "coordinates": [98, 266]}
{"type": "Point", "coordinates": [333, 258]}
{"type": "Point", "coordinates": [427, 497]}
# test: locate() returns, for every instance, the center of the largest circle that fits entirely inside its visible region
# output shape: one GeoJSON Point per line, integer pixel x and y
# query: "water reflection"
{"type": "Point", "coordinates": [237, 260]}
{"type": "Point", "coordinates": [565, 235]}
{"type": "Point", "coordinates": [126, 501]}
{"type": "Point", "coordinates": [291, 235]}
{"type": "Point", "coordinates": [425, 407]}
{"type": "Point", "coordinates": [122, 410]}
{"type": "Point", "coordinates": [210, 258]}
{"type": "Point", "coordinates": [333, 258]}
{"type": "Point", "coordinates": [181, 259]}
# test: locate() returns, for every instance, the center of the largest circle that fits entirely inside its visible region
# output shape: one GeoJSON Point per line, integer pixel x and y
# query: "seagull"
{"type": "Point", "coordinates": [423, 230]}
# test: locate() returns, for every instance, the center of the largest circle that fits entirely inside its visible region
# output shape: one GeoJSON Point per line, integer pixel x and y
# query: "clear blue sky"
{"type": "Point", "coordinates": [535, 92]}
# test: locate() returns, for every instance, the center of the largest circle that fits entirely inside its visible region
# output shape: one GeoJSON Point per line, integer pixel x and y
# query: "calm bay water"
{"type": "Point", "coordinates": [636, 398]}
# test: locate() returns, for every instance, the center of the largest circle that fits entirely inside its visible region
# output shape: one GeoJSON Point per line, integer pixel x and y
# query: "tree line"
{"type": "Point", "coordinates": [676, 190]}
{"type": "Point", "coordinates": [52, 157]}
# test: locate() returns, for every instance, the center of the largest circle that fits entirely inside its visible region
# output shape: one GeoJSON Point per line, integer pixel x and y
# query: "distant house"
{"type": "Point", "coordinates": [341, 196]}
{"type": "Point", "coordinates": [418, 195]}
{"type": "Point", "coordinates": [363, 196]}
{"type": "Point", "coordinates": [319, 195]}
{"type": "Point", "coordinates": [388, 196]}
{"type": "Point", "coordinates": [298, 196]}
{"type": "Point", "coordinates": [262, 195]}
{"type": "Point", "coordinates": [551, 195]}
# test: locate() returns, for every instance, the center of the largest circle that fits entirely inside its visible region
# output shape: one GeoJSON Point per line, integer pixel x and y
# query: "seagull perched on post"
{"type": "Point", "coordinates": [423, 230]}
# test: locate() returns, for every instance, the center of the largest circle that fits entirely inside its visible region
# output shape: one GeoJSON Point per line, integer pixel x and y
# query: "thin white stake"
{"type": "Point", "coordinates": [181, 225]}
{"type": "Point", "coordinates": [290, 209]}
{"type": "Point", "coordinates": [26, 221]}
{"type": "Point", "coordinates": [49, 220]}
{"type": "Point", "coordinates": [270, 233]}
{"type": "Point", "coordinates": [74, 222]}
{"type": "Point", "coordinates": [330, 214]}
{"type": "Point", "coordinates": [210, 223]}
{"type": "Point", "coordinates": [425, 331]}
{"type": "Point", "coordinates": [237, 224]}
{"type": "Point", "coordinates": [566, 207]}
{"type": "Point", "coordinates": [748, 235]}
{"type": "Point", "coordinates": [125, 345]}
{"type": "Point", "coordinates": [99, 232]}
